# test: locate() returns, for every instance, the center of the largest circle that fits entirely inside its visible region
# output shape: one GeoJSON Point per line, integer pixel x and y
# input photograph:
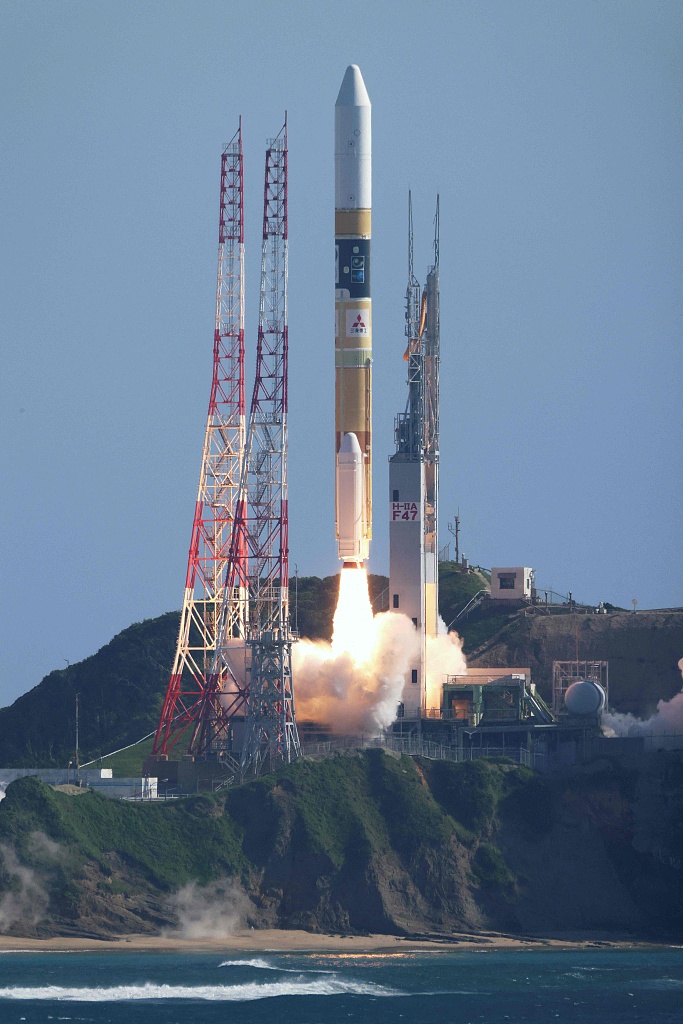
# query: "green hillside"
{"type": "Point", "coordinates": [456, 588]}
{"type": "Point", "coordinates": [359, 843]}
{"type": "Point", "coordinates": [121, 689]}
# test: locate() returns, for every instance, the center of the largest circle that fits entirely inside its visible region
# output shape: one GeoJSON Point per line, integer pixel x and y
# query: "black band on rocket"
{"type": "Point", "coordinates": [353, 266]}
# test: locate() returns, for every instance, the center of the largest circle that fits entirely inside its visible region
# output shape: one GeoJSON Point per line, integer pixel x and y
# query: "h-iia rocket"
{"type": "Point", "coordinates": [353, 319]}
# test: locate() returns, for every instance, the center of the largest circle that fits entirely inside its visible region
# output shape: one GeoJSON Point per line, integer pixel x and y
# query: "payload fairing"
{"type": "Point", "coordinates": [353, 319]}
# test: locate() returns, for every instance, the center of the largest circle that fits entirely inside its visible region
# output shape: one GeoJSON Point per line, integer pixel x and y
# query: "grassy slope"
{"type": "Point", "coordinates": [368, 842]}
{"type": "Point", "coordinates": [128, 763]}
{"type": "Point", "coordinates": [332, 818]}
{"type": "Point", "coordinates": [456, 588]}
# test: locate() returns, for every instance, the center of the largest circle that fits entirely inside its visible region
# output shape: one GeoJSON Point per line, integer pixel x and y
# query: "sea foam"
{"type": "Point", "coordinates": [213, 993]}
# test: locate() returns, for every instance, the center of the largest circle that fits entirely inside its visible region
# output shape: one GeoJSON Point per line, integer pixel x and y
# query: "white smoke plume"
{"type": "Point", "coordinates": [357, 698]}
{"type": "Point", "coordinates": [444, 658]}
{"type": "Point", "coordinates": [214, 911]}
{"type": "Point", "coordinates": [25, 900]}
{"type": "Point", "coordinates": [668, 718]}
{"type": "Point", "coordinates": [41, 847]}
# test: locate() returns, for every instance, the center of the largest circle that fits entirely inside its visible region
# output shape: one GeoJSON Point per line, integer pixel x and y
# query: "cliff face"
{"type": "Point", "coordinates": [357, 843]}
{"type": "Point", "coordinates": [643, 651]}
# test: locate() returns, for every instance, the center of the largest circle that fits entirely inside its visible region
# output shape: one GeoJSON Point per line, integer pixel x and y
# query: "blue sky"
{"type": "Point", "coordinates": [552, 132]}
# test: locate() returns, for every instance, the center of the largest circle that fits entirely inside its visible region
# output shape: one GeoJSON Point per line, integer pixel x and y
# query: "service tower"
{"type": "Point", "coordinates": [414, 474]}
{"type": "Point", "coordinates": [353, 319]}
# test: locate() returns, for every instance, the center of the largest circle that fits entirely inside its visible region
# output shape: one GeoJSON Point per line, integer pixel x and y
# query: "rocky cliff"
{"type": "Point", "coordinates": [357, 843]}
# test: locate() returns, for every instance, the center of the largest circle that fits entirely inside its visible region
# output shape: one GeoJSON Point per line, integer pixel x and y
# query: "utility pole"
{"type": "Point", "coordinates": [78, 762]}
{"type": "Point", "coordinates": [455, 530]}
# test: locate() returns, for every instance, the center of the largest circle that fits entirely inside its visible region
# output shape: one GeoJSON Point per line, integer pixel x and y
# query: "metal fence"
{"type": "Point", "coordinates": [540, 760]}
{"type": "Point", "coordinates": [424, 748]}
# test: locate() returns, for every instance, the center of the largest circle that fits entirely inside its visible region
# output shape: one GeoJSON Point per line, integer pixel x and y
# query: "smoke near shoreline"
{"type": "Point", "coordinates": [25, 899]}
{"type": "Point", "coordinates": [215, 911]}
{"type": "Point", "coordinates": [668, 718]}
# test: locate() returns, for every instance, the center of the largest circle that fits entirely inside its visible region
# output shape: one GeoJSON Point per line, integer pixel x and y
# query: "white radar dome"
{"type": "Point", "coordinates": [585, 697]}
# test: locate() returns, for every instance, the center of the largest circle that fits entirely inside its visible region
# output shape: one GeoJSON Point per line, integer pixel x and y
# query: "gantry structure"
{"type": "Point", "coordinates": [222, 457]}
{"type": "Point", "coordinates": [245, 683]}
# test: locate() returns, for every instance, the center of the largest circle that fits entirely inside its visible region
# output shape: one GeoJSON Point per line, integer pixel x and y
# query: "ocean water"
{"type": "Point", "coordinates": [603, 986]}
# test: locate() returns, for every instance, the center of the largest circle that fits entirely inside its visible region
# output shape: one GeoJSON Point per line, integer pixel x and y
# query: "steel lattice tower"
{"type": "Point", "coordinates": [258, 562]}
{"type": "Point", "coordinates": [206, 601]}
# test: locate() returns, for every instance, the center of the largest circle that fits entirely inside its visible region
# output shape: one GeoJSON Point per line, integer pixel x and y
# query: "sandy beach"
{"type": "Point", "coordinates": [281, 941]}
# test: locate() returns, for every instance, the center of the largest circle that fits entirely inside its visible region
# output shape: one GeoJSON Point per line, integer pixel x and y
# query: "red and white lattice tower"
{"type": "Point", "coordinates": [259, 549]}
{"type": "Point", "coordinates": [206, 601]}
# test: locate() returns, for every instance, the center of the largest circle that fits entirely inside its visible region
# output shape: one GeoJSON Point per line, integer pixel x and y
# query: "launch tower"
{"type": "Point", "coordinates": [222, 456]}
{"type": "Point", "coordinates": [258, 561]}
{"type": "Point", "coordinates": [414, 473]}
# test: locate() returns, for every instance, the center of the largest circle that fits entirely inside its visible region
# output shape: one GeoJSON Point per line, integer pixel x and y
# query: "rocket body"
{"type": "Point", "coordinates": [353, 317]}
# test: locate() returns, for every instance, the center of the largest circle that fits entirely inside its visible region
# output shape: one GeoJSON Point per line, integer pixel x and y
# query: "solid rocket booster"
{"type": "Point", "coordinates": [350, 486]}
{"type": "Point", "coordinates": [353, 317]}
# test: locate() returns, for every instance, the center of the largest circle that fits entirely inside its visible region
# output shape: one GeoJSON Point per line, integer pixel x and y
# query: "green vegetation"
{"type": "Point", "coordinates": [336, 825]}
{"type": "Point", "coordinates": [471, 791]}
{"type": "Point", "coordinates": [169, 843]}
{"type": "Point", "coordinates": [456, 588]}
{"type": "Point", "coordinates": [477, 631]}
{"type": "Point", "coordinates": [413, 817]}
{"type": "Point", "coordinates": [490, 869]}
{"type": "Point", "coordinates": [359, 842]}
{"type": "Point", "coordinates": [128, 763]}
{"type": "Point", "coordinates": [121, 689]}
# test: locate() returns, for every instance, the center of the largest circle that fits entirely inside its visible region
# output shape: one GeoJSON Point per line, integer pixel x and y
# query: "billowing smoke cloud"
{"type": "Point", "coordinates": [668, 718]}
{"type": "Point", "coordinates": [444, 658]}
{"type": "Point", "coordinates": [333, 688]}
{"type": "Point", "coordinates": [25, 899]}
{"type": "Point", "coordinates": [209, 912]}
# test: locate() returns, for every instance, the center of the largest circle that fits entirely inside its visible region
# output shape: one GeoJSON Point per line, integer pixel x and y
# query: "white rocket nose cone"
{"type": "Point", "coordinates": [349, 445]}
{"type": "Point", "coordinates": [353, 92]}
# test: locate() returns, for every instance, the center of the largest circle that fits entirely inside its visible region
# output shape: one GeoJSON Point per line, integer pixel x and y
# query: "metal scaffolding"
{"type": "Point", "coordinates": [259, 553]}
{"type": "Point", "coordinates": [205, 599]}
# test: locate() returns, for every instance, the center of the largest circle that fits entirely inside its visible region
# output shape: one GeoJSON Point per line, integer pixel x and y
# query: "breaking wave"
{"type": "Point", "coordinates": [263, 965]}
{"type": "Point", "coordinates": [212, 993]}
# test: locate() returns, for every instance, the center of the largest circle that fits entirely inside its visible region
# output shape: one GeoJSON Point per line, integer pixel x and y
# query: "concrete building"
{"type": "Point", "coordinates": [512, 584]}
